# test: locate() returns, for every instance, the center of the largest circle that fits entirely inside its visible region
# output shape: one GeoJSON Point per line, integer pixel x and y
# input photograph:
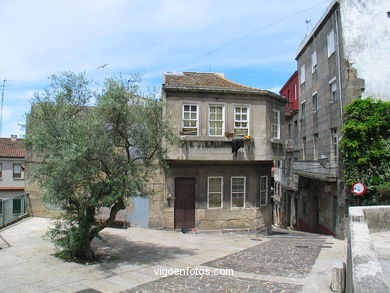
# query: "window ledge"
{"type": "Point", "coordinates": [276, 140]}
{"type": "Point", "coordinates": [206, 138]}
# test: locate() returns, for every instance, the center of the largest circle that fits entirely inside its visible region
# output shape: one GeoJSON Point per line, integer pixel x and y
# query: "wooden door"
{"type": "Point", "coordinates": [184, 203]}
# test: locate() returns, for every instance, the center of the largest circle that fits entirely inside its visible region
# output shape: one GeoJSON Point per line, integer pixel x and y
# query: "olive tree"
{"type": "Point", "coordinates": [93, 150]}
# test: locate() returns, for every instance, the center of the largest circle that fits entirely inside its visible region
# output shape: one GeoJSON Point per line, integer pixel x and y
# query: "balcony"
{"type": "Point", "coordinates": [292, 144]}
{"type": "Point", "coordinates": [313, 169]}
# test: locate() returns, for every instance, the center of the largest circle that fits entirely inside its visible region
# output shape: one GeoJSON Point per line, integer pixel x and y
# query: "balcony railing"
{"type": "Point", "coordinates": [12, 209]}
{"type": "Point", "coordinates": [313, 169]}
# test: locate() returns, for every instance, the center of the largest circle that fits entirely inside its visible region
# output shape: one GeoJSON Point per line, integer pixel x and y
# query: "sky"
{"type": "Point", "coordinates": [253, 42]}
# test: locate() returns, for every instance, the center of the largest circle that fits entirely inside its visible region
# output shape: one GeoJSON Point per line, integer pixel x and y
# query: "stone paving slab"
{"type": "Point", "coordinates": [213, 284]}
{"type": "Point", "coordinates": [278, 257]}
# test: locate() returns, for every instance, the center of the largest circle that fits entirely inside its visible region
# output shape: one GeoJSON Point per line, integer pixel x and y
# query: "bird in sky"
{"type": "Point", "coordinates": [102, 66]}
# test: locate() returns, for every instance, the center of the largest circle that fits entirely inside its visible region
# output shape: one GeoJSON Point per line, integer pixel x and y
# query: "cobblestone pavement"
{"type": "Point", "coordinates": [213, 284]}
{"type": "Point", "coordinates": [289, 258]}
{"type": "Point", "coordinates": [278, 257]}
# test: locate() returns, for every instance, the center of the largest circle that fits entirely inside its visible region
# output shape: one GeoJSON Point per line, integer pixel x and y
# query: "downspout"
{"type": "Point", "coordinates": [339, 67]}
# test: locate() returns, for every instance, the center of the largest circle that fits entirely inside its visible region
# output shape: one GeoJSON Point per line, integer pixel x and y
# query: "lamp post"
{"type": "Point", "coordinates": [323, 160]}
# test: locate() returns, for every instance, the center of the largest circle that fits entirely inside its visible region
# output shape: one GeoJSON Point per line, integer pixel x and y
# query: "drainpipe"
{"type": "Point", "coordinates": [339, 66]}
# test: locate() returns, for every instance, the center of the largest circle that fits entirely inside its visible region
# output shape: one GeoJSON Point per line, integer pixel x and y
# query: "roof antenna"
{"type": "Point", "coordinates": [307, 24]}
{"type": "Point", "coordinates": [1, 106]}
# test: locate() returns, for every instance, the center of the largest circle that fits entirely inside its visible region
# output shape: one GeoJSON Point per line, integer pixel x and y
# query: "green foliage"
{"type": "Point", "coordinates": [90, 157]}
{"type": "Point", "coordinates": [365, 147]}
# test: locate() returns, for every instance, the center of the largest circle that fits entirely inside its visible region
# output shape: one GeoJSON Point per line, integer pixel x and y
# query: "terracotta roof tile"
{"type": "Point", "coordinates": [11, 188]}
{"type": "Point", "coordinates": [11, 148]}
{"type": "Point", "coordinates": [202, 80]}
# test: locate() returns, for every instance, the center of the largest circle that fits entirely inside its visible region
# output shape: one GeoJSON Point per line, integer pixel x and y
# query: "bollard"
{"type": "Point", "coordinates": [338, 277]}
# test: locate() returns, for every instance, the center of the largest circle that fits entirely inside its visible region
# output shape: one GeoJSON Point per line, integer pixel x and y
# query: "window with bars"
{"type": "Point", "coordinates": [17, 171]}
{"type": "Point", "coordinates": [241, 120]}
{"type": "Point", "coordinates": [214, 192]}
{"type": "Point", "coordinates": [190, 120]}
{"type": "Point", "coordinates": [276, 123]}
{"type": "Point", "coordinates": [216, 120]}
{"type": "Point", "coordinates": [263, 190]}
{"type": "Point", "coordinates": [238, 191]}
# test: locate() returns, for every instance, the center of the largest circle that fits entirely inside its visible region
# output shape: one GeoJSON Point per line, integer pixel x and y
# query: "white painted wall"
{"type": "Point", "coordinates": [366, 36]}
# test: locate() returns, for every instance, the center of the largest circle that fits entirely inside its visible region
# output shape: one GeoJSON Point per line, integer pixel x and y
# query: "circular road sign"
{"type": "Point", "coordinates": [358, 188]}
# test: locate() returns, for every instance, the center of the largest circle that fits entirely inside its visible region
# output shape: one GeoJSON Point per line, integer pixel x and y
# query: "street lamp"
{"type": "Point", "coordinates": [323, 160]}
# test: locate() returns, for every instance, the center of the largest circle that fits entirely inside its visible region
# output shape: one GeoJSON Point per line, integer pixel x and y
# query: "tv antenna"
{"type": "Point", "coordinates": [308, 21]}
{"type": "Point", "coordinates": [1, 106]}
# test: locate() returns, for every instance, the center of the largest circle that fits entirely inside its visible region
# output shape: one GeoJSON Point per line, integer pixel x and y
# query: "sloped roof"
{"type": "Point", "coordinates": [11, 148]}
{"type": "Point", "coordinates": [208, 81]}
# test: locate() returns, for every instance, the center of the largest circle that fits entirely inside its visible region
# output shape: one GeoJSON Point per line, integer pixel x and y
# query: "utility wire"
{"type": "Point", "coordinates": [250, 33]}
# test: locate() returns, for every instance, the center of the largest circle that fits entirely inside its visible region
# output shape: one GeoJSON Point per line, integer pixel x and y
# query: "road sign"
{"type": "Point", "coordinates": [358, 188]}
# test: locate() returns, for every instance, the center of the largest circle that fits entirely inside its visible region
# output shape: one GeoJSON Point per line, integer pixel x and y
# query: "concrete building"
{"type": "Point", "coordinates": [286, 182]}
{"type": "Point", "coordinates": [12, 159]}
{"type": "Point", "coordinates": [220, 176]}
{"type": "Point", "coordinates": [340, 60]}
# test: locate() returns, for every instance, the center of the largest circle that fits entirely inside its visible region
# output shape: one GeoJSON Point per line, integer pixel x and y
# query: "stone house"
{"type": "Point", "coordinates": [338, 61]}
{"type": "Point", "coordinates": [219, 178]}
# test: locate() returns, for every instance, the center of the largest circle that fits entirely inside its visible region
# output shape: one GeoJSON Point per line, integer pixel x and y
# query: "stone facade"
{"type": "Point", "coordinates": [204, 154]}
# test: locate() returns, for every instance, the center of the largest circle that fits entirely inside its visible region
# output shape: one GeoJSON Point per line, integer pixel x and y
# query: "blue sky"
{"type": "Point", "coordinates": [39, 38]}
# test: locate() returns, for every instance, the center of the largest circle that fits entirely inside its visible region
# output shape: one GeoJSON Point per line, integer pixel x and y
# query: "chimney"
{"type": "Point", "coordinates": [14, 137]}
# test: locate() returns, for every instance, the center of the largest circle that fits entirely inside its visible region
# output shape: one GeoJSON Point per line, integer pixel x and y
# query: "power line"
{"type": "Point", "coordinates": [251, 33]}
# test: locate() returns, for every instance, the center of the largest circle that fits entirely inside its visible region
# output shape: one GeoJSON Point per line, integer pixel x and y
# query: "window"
{"type": "Point", "coordinates": [1, 170]}
{"type": "Point", "coordinates": [295, 92]}
{"type": "Point", "coordinates": [333, 90]}
{"type": "Point", "coordinates": [314, 62]}
{"type": "Point", "coordinates": [17, 171]}
{"type": "Point", "coordinates": [315, 146]}
{"type": "Point", "coordinates": [304, 147]}
{"type": "Point", "coordinates": [289, 130]}
{"type": "Point", "coordinates": [241, 120]}
{"type": "Point", "coordinates": [1, 207]}
{"type": "Point", "coordinates": [190, 120]}
{"type": "Point", "coordinates": [216, 121]}
{"type": "Point", "coordinates": [315, 102]}
{"type": "Point", "coordinates": [303, 74]}
{"type": "Point", "coordinates": [303, 109]}
{"type": "Point", "coordinates": [238, 192]}
{"type": "Point", "coordinates": [214, 192]}
{"type": "Point", "coordinates": [276, 123]}
{"type": "Point", "coordinates": [263, 190]}
{"type": "Point", "coordinates": [335, 142]}
{"type": "Point", "coordinates": [330, 41]}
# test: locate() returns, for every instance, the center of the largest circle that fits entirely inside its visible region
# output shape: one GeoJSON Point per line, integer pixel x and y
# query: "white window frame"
{"type": "Point", "coordinates": [231, 192]}
{"type": "Point", "coordinates": [247, 121]}
{"type": "Point", "coordinates": [197, 118]}
{"type": "Point", "coordinates": [302, 75]}
{"type": "Point", "coordinates": [315, 109]}
{"type": "Point", "coordinates": [314, 62]}
{"type": "Point", "coordinates": [223, 119]}
{"type": "Point", "coordinates": [208, 191]}
{"type": "Point", "coordinates": [264, 190]}
{"type": "Point", "coordinates": [333, 82]}
{"type": "Point", "coordinates": [295, 92]}
{"type": "Point", "coordinates": [330, 43]}
{"type": "Point", "coordinates": [13, 171]}
{"type": "Point", "coordinates": [277, 124]}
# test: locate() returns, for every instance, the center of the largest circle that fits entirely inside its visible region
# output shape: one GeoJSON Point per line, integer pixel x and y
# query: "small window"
{"type": "Point", "coordinates": [216, 121]}
{"type": "Point", "coordinates": [335, 144]}
{"type": "Point", "coordinates": [238, 192]}
{"type": "Point", "coordinates": [17, 171]}
{"type": "Point", "coordinates": [314, 62]}
{"type": "Point", "coordinates": [1, 170]}
{"type": "Point", "coordinates": [295, 92]}
{"type": "Point", "coordinates": [1, 207]}
{"type": "Point", "coordinates": [263, 190]}
{"type": "Point", "coordinates": [315, 146]}
{"type": "Point", "coordinates": [303, 74]}
{"type": "Point", "coordinates": [315, 102]}
{"type": "Point", "coordinates": [190, 120]}
{"type": "Point", "coordinates": [304, 147]}
{"type": "Point", "coordinates": [241, 120]}
{"type": "Point", "coordinates": [275, 123]}
{"type": "Point", "coordinates": [303, 109]}
{"type": "Point", "coordinates": [333, 90]}
{"type": "Point", "coordinates": [214, 192]}
{"type": "Point", "coordinates": [330, 41]}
